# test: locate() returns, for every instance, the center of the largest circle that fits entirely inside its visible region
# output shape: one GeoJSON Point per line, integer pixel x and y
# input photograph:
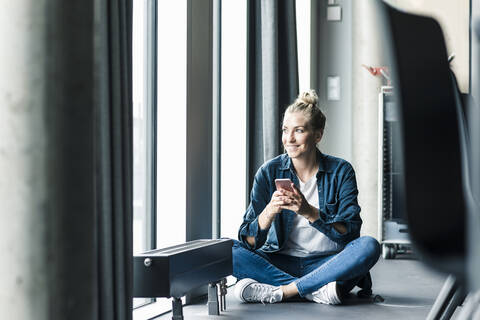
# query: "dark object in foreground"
{"type": "Point", "coordinates": [174, 271]}
{"type": "Point", "coordinates": [434, 137]}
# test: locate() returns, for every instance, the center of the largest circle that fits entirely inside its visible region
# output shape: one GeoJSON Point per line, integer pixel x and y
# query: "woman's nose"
{"type": "Point", "coordinates": [291, 136]}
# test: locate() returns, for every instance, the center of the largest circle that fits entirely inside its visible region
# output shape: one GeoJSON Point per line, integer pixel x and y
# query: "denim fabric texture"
{"type": "Point", "coordinates": [337, 192]}
{"type": "Point", "coordinates": [349, 267]}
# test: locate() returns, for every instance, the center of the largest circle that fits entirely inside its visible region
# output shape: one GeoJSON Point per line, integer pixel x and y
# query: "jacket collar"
{"type": "Point", "coordinates": [323, 163]}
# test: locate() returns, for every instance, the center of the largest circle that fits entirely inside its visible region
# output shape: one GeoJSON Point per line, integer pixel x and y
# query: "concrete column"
{"type": "Point", "coordinates": [47, 229]}
{"type": "Point", "coordinates": [23, 175]}
{"type": "Point", "coordinates": [367, 49]}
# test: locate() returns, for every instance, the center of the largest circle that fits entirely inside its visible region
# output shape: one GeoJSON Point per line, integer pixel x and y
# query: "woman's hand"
{"type": "Point", "coordinates": [296, 202]}
{"type": "Point", "coordinates": [274, 207]}
{"type": "Point", "coordinates": [277, 203]}
{"type": "Point", "coordinates": [284, 199]}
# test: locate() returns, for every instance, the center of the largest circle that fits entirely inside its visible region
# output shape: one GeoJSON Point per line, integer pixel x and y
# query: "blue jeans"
{"type": "Point", "coordinates": [347, 267]}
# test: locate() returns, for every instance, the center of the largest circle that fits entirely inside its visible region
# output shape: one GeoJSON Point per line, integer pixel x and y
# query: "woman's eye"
{"type": "Point", "coordinates": [284, 130]}
{"type": "Point", "coordinates": [299, 130]}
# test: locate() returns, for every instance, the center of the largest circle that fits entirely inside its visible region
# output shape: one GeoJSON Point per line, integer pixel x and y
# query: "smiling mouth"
{"type": "Point", "coordinates": [291, 147]}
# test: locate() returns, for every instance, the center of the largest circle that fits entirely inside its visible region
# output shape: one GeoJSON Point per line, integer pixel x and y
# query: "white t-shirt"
{"type": "Point", "coordinates": [305, 240]}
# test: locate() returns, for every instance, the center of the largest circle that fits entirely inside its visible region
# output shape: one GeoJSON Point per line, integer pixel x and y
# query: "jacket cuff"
{"type": "Point", "coordinates": [254, 231]}
{"type": "Point", "coordinates": [328, 229]}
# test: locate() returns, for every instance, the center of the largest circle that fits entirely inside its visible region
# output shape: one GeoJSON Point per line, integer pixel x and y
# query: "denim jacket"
{"type": "Point", "coordinates": [337, 195]}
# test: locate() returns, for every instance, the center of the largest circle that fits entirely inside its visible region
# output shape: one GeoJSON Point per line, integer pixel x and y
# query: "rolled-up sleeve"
{"type": "Point", "coordinates": [259, 198]}
{"type": "Point", "coordinates": [348, 211]}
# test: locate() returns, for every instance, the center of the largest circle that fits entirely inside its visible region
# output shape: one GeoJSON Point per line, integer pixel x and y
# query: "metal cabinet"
{"type": "Point", "coordinates": [392, 225]}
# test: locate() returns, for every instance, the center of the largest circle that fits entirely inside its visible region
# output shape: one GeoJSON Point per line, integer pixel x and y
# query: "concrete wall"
{"type": "Point", "coordinates": [332, 56]}
{"type": "Point", "coordinates": [368, 49]}
{"type": "Point", "coordinates": [23, 179]}
{"type": "Point", "coordinates": [339, 48]}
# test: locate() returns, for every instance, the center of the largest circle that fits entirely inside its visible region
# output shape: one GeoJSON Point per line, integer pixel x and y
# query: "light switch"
{"type": "Point", "coordinates": [333, 88]}
{"type": "Point", "coordinates": [334, 13]}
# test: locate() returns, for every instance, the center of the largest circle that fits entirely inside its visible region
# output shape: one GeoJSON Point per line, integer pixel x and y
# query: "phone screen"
{"type": "Point", "coordinates": [284, 184]}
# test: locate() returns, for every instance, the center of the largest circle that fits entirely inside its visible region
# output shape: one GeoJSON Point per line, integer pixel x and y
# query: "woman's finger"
{"type": "Point", "coordinates": [280, 202]}
{"type": "Point", "coordinates": [295, 197]}
{"type": "Point", "coordinates": [285, 198]}
{"type": "Point", "coordinates": [291, 207]}
{"type": "Point", "coordinates": [279, 198]}
{"type": "Point", "coordinates": [292, 202]}
{"type": "Point", "coordinates": [277, 193]}
{"type": "Point", "coordinates": [295, 190]}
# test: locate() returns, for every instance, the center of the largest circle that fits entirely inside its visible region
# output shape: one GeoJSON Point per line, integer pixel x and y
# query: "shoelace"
{"type": "Point", "coordinates": [262, 293]}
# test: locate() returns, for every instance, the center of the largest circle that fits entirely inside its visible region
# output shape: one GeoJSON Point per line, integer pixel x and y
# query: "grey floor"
{"type": "Point", "coordinates": [408, 287]}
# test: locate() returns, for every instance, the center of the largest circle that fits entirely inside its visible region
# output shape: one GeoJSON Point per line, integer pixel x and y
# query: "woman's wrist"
{"type": "Point", "coordinates": [266, 217]}
{"type": "Point", "coordinates": [269, 212]}
{"type": "Point", "coordinates": [312, 214]}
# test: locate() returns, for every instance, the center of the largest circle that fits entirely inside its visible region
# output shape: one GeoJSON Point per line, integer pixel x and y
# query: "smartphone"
{"type": "Point", "coordinates": [284, 184]}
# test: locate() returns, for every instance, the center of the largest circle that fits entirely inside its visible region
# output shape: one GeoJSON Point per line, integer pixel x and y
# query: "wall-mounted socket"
{"type": "Point", "coordinates": [334, 13]}
{"type": "Point", "coordinates": [333, 88]}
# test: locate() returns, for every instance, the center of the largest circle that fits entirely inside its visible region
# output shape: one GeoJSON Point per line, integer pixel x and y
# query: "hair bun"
{"type": "Point", "coordinates": [308, 97]}
{"type": "Point", "coordinates": [307, 103]}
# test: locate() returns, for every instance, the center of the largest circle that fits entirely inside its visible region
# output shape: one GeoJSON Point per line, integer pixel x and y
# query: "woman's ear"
{"type": "Point", "coordinates": [318, 136]}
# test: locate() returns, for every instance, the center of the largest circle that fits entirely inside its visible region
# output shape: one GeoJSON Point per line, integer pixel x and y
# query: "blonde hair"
{"type": "Point", "coordinates": [307, 103]}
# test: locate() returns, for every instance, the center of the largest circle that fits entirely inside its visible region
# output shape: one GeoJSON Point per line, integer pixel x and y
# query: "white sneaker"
{"type": "Point", "coordinates": [249, 290]}
{"type": "Point", "coordinates": [327, 294]}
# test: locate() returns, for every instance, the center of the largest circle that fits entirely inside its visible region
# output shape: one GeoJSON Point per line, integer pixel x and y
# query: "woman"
{"type": "Point", "coordinates": [303, 241]}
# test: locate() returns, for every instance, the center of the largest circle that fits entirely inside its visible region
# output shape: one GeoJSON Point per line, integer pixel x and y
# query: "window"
{"type": "Point", "coordinates": [303, 12]}
{"type": "Point", "coordinates": [234, 116]}
{"type": "Point", "coordinates": [171, 132]}
{"type": "Point", "coordinates": [161, 41]}
{"type": "Point", "coordinates": [159, 110]}
{"type": "Point", "coordinates": [142, 136]}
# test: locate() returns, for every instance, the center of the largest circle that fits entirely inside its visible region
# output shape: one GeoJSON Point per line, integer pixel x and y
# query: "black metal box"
{"type": "Point", "coordinates": [173, 271]}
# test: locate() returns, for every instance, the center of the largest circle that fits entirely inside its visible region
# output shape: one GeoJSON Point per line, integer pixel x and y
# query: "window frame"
{"type": "Point", "coordinates": [150, 95]}
{"type": "Point", "coordinates": [151, 69]}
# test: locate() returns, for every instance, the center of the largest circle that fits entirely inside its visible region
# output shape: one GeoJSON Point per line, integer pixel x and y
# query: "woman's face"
{"type": "Point", "coordinates": [298, 137]}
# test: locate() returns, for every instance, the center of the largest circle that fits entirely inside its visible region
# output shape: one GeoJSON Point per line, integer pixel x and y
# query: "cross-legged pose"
{"type": "Point", "coordinates": [302, 236]}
